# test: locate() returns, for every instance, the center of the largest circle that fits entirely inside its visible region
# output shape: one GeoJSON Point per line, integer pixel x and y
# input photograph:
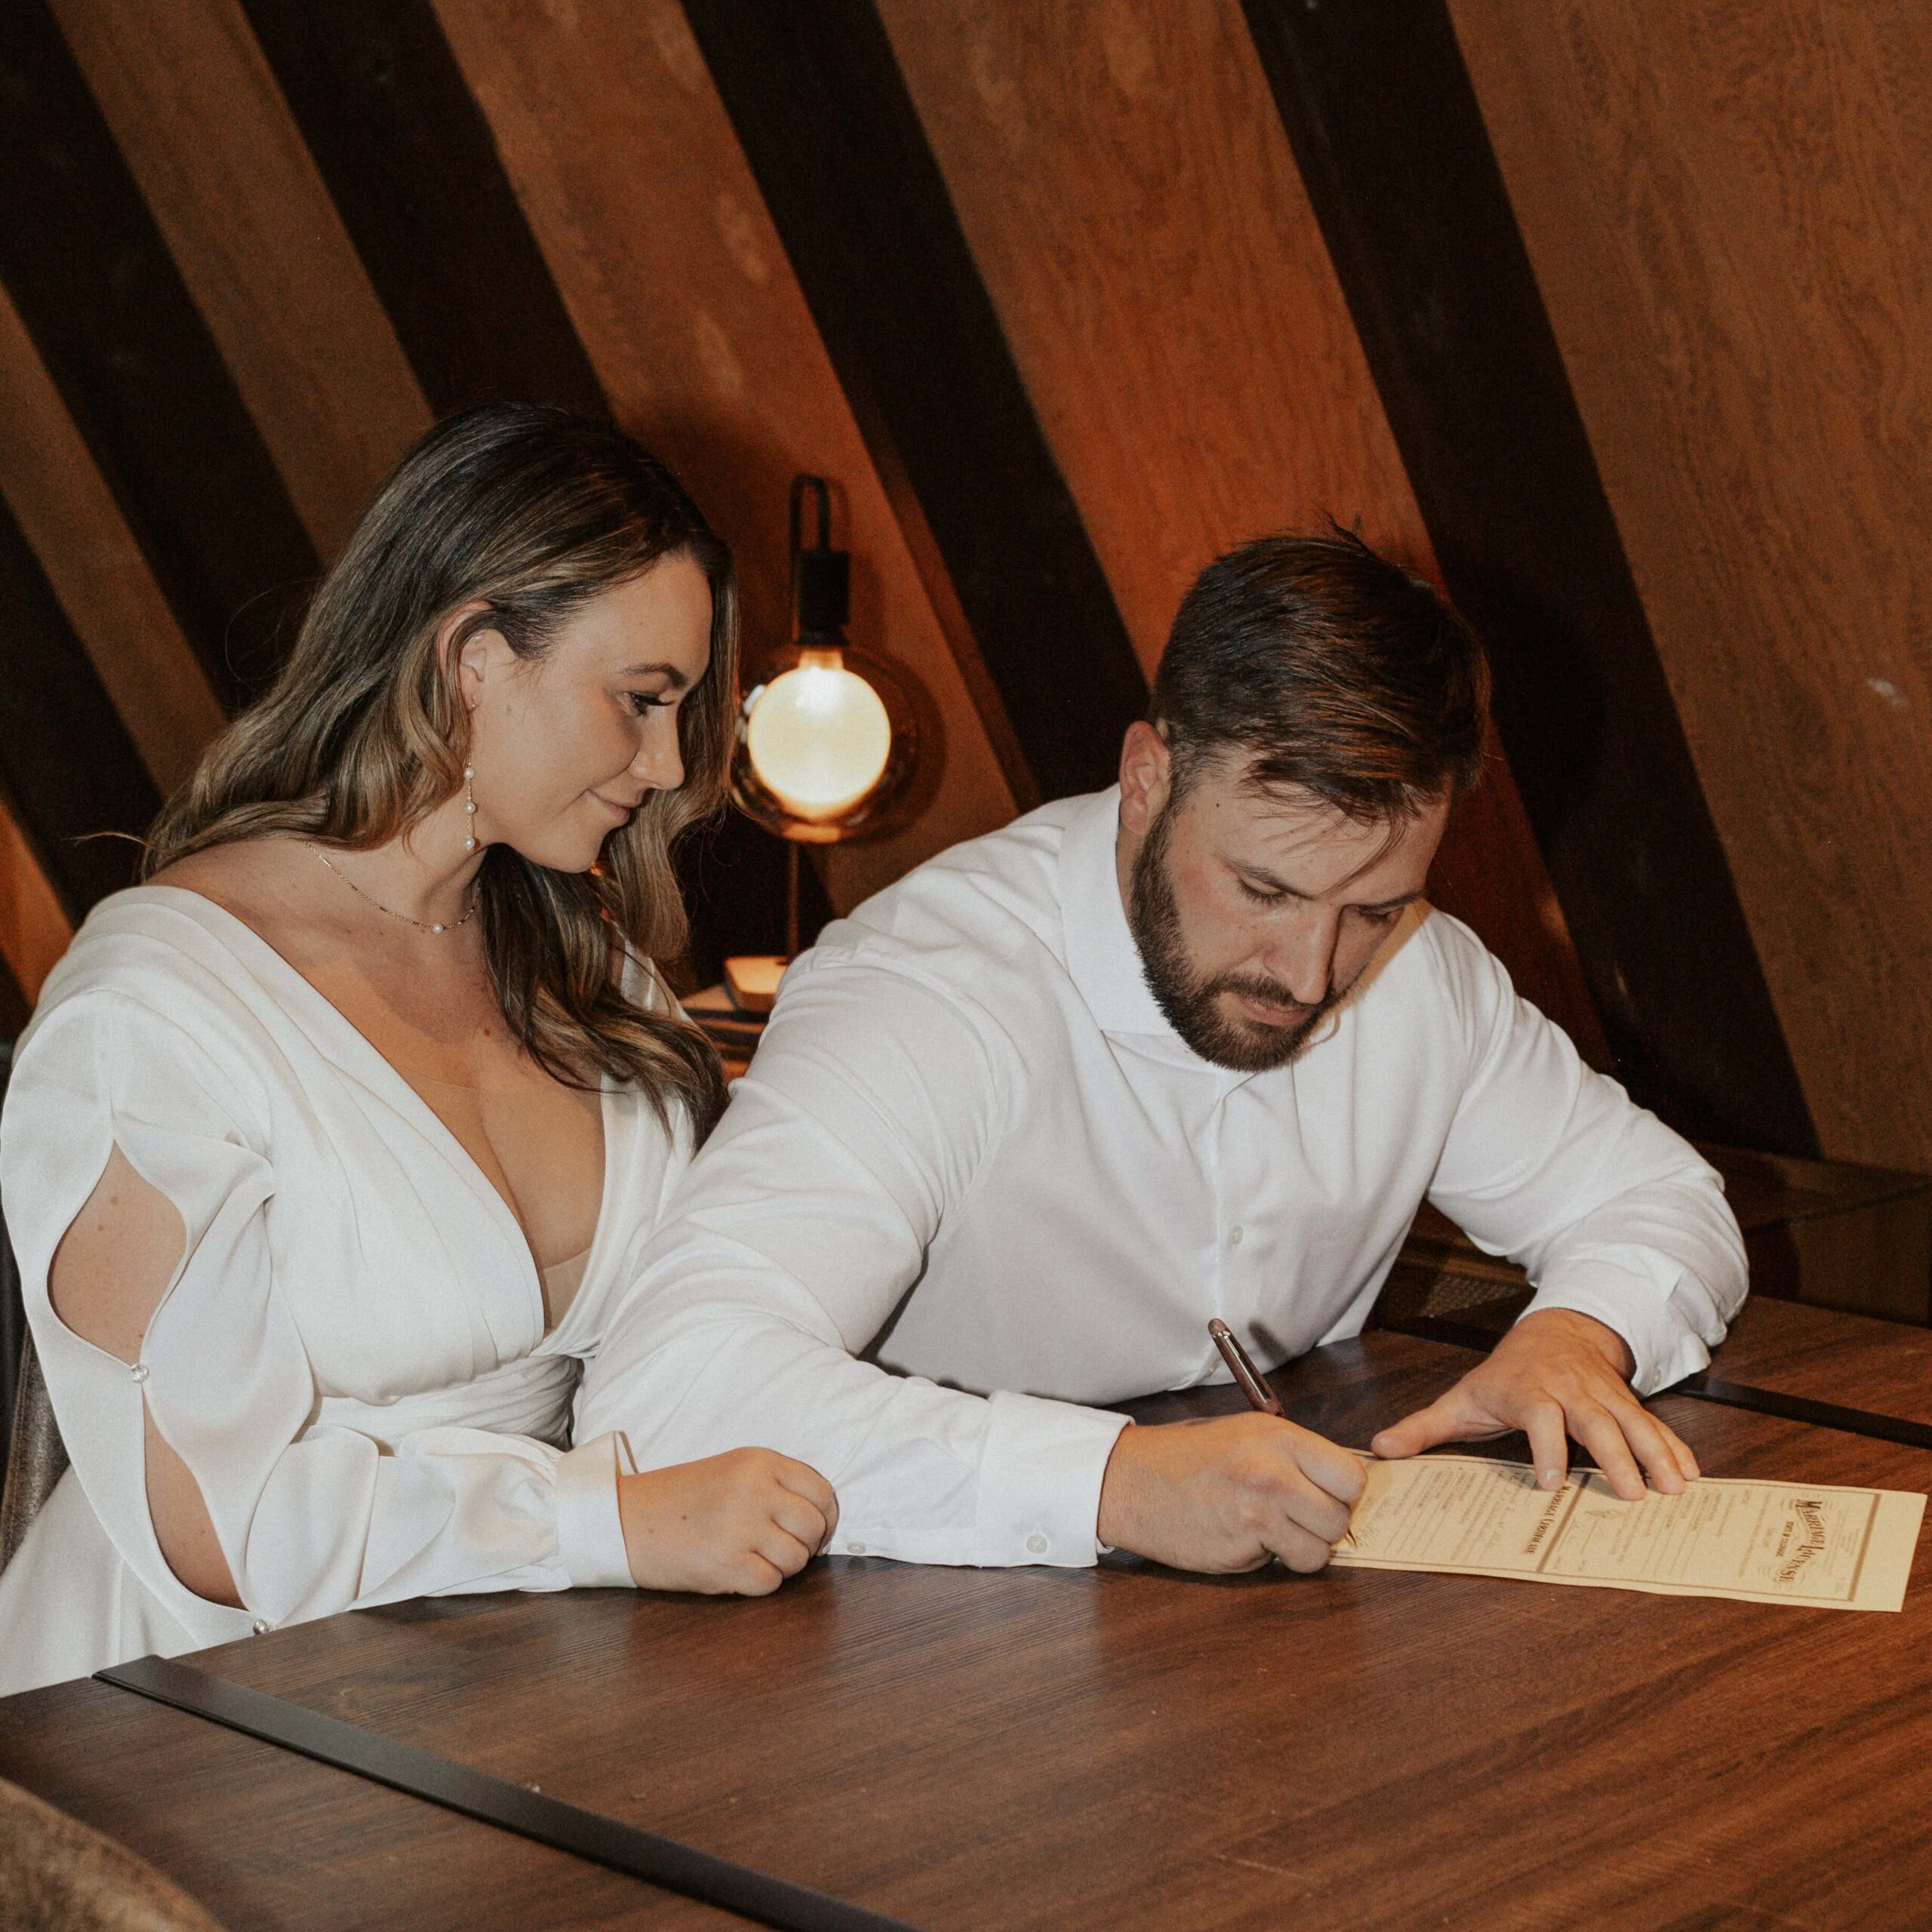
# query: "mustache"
{"type": "Point", "coordinates": [1266, 989]}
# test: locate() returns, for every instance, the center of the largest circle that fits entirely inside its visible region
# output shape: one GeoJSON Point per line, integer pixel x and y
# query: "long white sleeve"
{"type": "Point", "coordinates": [312, 1517]}
{"type": "Point", "coordinates": [864, 1121]}
{"type": "Point", "coordinates": [1610, 1212]}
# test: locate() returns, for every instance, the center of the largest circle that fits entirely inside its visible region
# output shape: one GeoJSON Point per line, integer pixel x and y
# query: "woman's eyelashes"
{"type": "Point", "coordinates": [640, 702]}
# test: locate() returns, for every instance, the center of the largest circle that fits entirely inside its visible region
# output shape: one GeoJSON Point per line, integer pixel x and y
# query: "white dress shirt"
{"type": "Point", "coordinates": [971, 1146]}
{"type": "Point", "coordinates": [351, 1358]}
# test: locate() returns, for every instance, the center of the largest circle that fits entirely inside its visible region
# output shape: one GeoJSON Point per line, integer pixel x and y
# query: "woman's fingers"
{"type": "Point", "coordinates": [802, 1480]}
{"type": "Point", "coordinates": [784, 1551]}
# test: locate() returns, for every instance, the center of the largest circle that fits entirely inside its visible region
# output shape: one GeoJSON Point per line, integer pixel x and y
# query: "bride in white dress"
{"type": "Point", "coordinates": [326, 1147]}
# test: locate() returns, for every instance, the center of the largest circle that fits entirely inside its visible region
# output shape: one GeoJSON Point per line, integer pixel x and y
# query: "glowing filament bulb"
{"type": "Point", "coordinates": [819, 737]}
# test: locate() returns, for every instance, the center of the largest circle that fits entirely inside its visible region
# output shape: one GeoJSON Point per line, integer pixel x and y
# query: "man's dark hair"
{"type": "Point", "coordinates": [1331, 670]}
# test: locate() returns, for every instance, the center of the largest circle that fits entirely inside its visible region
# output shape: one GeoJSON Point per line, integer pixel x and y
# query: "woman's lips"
{"type": "Point", "coordinates": [618, 812]}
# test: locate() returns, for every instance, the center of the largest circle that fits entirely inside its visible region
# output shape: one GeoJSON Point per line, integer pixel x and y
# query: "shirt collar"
{"type": "Point", "coordinates": [1101, 955]}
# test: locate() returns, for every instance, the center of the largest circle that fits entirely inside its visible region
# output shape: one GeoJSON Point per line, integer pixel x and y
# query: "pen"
{"type": "Point", "coordinates": [1260, 1395]}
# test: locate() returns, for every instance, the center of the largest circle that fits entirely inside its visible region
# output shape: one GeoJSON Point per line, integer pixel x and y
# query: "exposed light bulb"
{"type": "Point", "coordinates": [818, 737]}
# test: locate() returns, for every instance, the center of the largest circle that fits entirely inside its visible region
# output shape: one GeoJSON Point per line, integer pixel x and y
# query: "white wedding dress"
{"type": "Point", "coordinates": [352, 1358]}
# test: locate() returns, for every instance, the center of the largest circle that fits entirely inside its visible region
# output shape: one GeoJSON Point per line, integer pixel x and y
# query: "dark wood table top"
{"type": "Point", "coordinates": [1117, 1747]}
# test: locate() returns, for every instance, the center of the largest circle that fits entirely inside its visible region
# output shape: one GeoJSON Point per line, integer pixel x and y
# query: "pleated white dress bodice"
{"type": "Point", "coordinates": [352, 1358]}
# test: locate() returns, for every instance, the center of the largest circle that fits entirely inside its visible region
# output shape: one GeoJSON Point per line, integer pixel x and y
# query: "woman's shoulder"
{"type": "Point", "coordinates": [163, 961]}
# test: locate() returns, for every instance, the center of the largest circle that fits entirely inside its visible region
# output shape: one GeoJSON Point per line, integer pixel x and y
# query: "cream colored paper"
{"type": "Point", "coordinates": [1802, 1543]}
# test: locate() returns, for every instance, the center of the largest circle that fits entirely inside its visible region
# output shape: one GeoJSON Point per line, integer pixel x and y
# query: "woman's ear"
{"type": "Point", "coordinates": [476, 653]}
{"type": "Point", "coordinates": [1146, 769]}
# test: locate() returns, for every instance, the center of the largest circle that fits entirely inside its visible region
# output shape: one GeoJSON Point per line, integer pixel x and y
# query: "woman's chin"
{"type": "Point", "coordinates": [574, 853]}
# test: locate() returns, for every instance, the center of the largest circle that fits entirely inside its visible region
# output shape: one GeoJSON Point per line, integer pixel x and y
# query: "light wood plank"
{"type": "Point", "coordinates": [34, 931]}
{"type": "Point", "coordinates": [200, 121]}
{"type": "Point", "coordinates": [1725, 206]}
{"type": "Point", "coordinates": [629, 172]}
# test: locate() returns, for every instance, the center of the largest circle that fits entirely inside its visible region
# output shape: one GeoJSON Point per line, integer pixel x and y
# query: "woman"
{"type": "Point", "coordinates": [326, 1146]}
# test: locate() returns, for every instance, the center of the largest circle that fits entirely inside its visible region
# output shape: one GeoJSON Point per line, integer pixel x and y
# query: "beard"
{"type": "Point", "coordinates": [1188, 999]}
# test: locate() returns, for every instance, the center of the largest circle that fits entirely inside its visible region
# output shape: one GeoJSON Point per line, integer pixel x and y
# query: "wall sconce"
{"type": "Point", "coordinates": [826, 741]}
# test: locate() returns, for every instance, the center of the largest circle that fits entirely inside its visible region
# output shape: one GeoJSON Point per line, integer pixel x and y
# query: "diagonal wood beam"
{"type": "Point", "coordinates": [1391, 148]}
{"type": "Point", "coordinates": [69, 770]}
{"type": "Point", "coordinates": [135, 365]}
{"type": "Point", "coordinates": [823, 114]}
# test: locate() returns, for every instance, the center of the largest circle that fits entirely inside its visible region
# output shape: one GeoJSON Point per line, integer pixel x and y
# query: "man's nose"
{"type": "Point", "coordinates": [1300, 958]}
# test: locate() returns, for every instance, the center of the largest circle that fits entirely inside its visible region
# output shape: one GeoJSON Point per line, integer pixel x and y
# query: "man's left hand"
{"type": "Point", "coordinates": [1556, 1375]}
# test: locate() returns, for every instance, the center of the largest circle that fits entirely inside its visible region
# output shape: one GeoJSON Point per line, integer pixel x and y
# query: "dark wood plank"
{"type": "Point", "coordinates": [135, 365]}
{"type": "Point", "coordinates": [69, 516]}
{"type": "Point", "coordinates": [1108, 164]}
{"type": "Point", "coordinates": [624, 161]}
{"type": "Point", "coordinates": [69, 770]}
{"type": "Point", "coordinates": [413, 169]}
{"type": "Point", "coordinates": [1392, 147]}
{"type": "Point", "coordinates": [1120, 1747]}
{"type": "Point", "coordinates": [842, 160]}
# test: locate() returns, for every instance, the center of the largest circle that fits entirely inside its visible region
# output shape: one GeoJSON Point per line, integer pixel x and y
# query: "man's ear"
{"type": "Point", "coordinates": [1146, 770]}
{"type": "Point", "coordinates": [474, 654]}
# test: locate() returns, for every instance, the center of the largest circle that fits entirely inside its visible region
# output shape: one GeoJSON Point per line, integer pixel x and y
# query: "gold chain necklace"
{"type": "Point", "coordinates": [421, 925]}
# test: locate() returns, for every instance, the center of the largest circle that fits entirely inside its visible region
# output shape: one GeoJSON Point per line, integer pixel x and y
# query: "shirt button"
{"type": "Point", "coordinates": [1036, 1544]}
{"type": "Point", "coordinates": [261, 1626]}
{"type": "Point", "coordinates": [855, 1549]}
{"type": "Point", "coordinates": [139, 1372]}
{"type": "Point", "coordinates": [1235, 1234]}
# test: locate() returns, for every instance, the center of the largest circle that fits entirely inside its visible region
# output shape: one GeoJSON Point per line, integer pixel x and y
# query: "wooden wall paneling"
{"type": "Point", "coordinates": [68, 768]}
{"type": "Point", "coordinates": [208, 138]}
{"type": "Point", "coordinates": [135, 365]}
{"type": "Point", "coordinates": [823, 114]}
{"type": "Point", "coordinates": [1726, 209]}
{"type": "Point", "coordinates": [34, 931]}
{"type": "Point", "coordinates": [414, 169]}
{"type": "Point", "coordinates": [91, 558]}
{"type": "Point", "coordinates": [1131, 202]}
{"type": "Point", "coordinates": [1391, 146]}
{"type": "Point", "coordinates": [411, 164]}
{"type": "Point", "coordinates": [624, 160]}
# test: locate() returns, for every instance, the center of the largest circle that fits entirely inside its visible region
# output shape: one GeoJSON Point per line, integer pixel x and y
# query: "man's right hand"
{"type": "Point", "coordinates": [1228, 1494]}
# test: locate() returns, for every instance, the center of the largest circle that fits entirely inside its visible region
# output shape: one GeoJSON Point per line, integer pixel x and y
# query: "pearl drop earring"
{"type": "Point", "coordinates": [469, 806]}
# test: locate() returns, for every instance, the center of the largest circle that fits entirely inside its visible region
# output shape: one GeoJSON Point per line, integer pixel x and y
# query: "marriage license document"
{"type": "Point", "coordinates": [1807, 1543]}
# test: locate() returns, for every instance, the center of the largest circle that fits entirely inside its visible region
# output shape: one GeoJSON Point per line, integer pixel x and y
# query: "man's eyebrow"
{"type": "Point", "coordinates": [669, 673]}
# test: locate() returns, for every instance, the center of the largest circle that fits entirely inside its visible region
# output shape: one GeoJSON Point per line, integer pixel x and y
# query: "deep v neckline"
{"type": "Point", "coordinates": [435, 1128]}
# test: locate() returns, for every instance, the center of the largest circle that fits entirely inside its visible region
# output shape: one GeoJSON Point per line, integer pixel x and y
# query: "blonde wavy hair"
{"type": "Point", "coordinates": [535, 511]}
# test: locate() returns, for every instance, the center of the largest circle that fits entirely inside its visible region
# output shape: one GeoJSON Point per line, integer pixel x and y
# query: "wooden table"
{"type": "Point", "coordinates": [1118, 1747]}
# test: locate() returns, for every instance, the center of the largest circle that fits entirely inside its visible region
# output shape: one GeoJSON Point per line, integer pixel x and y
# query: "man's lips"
{"type": "Point", "coordinates": [1272, 1012]}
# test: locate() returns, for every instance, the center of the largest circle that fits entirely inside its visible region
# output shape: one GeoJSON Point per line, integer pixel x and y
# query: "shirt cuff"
{"type": "Point", "coordinates": [590, 1531]}
{"type": "Point", "coordinates": [1664, 1348]}
{"type": "Point", "coordinates": [1040, 1478]}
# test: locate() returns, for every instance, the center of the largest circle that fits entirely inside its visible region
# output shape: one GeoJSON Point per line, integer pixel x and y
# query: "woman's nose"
{"type": "Point", "coordinates": [659, 762]}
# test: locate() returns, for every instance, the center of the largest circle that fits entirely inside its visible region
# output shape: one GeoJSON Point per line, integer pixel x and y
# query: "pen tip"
{"type": "Point", "coordinates": [1217, 1327]}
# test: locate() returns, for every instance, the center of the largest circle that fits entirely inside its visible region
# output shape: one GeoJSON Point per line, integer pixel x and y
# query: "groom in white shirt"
{"type": "Point", "coordinates": [1195, 1047]}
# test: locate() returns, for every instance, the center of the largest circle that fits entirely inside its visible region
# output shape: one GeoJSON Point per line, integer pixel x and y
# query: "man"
{"type": "Point", "coordinates": [1030, 1118]}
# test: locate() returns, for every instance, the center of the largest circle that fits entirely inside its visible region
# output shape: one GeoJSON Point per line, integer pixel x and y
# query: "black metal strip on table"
{"type": "Point", "coordinates": [514, 1808]}
{"type": "Point", "coordinates": [1708, 1388]}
